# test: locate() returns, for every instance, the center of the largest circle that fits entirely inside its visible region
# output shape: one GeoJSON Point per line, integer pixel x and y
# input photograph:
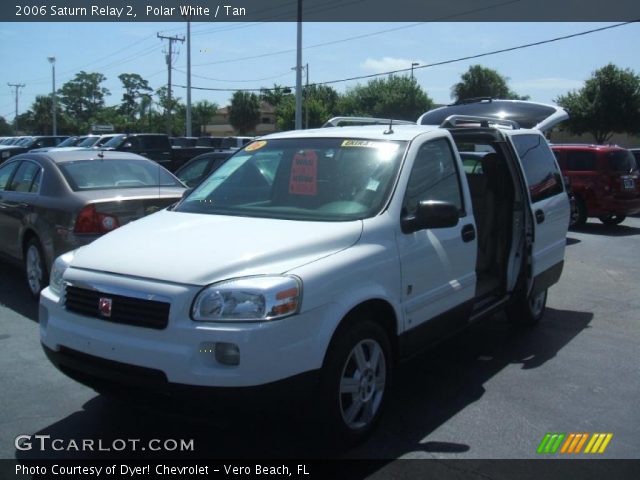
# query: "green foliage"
{"type": "Point", "coordinates": [201, 114]}
{"type": "Point", "coordinates": [5, 129]}
{"type": "Point", "coordinates": [320, 100]}
{"type": "Point", "coordinates": [38, 119]}
{"type": "Point", "coordinates": [276, 95]}
{"type": "Point", "coordinates": [244, 113]}
{"type": "Point", "coordinates": [480, 81]}
{"type": "Point", "coordinates": [608, 103]}
{"type": "Point", "coordinates": [135, 88]}
{"type": "Point", "coordinates": [396, 97]}
{"type": "Point", "coordinates": [83, 97]}
{"type": "Point", "coordinates": [159, 123]}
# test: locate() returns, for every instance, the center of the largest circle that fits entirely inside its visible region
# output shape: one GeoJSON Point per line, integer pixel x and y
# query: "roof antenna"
{"type": "Point", "coordinates": [389, 131]}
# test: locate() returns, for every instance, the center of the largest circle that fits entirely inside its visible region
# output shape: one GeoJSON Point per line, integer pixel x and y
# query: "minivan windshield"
{"type": "Point", "coordinates": [316, 179]}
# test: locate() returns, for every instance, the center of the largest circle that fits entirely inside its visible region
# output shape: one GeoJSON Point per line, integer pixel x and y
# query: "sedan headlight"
{"type": "Point", "coordinates": [57, 271]}
{"type": "Point", "coordinates": [249, 299]}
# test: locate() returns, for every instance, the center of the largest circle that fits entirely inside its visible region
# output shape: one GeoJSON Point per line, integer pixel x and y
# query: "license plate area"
{"type": "Point", "coordinates": [628, 183]}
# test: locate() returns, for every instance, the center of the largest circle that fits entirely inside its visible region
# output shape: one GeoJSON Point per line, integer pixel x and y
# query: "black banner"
{"type": "Point", "coordinates": [318, 10]}
{"type": "Point", "coordinates": [325, 469]}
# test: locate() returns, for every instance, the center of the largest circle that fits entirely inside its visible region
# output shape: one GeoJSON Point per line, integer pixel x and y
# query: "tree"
{"type": "Point", "coordinates": [5, 128]}
{"type": "Point", "coordinates": [201, 114]}
{"type": "Point", "coordinates": [135, 87]}
{"type": "Point", "coordinates": [244, 112]}
{"type": "Point", "coordinates": [608, 103]}
{"type": "Point", "coordinates": [276, 95]}
{"type": "Point", "coordinates": [480, 81]}
{"type": "Point", "coordinates": [398, 97]}
{"type": "Point", "coordinates": [177, 109]}
{"type": "Point", "coordinates": [38, 119]}
{"type": "Point", "coordinates": [83, 97]}
{"type": "Point", "coordinates": [321, 102]}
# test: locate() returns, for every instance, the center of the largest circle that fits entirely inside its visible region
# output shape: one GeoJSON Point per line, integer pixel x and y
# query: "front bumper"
{"type": "Point", "coordinates": [182, 353]}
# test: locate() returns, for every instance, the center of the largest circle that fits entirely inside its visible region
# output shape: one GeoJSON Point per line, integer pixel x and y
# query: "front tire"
{"type": "Point", "coordinates": [355, 381]}
{"type": "Point", "coordinates": [578, 214]}
{"type": "Point", "coordinates": [34, 267]}
{"type": "Point", "coordinates": [527, 310]}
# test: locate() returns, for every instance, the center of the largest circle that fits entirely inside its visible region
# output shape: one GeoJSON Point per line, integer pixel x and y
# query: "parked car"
{"type": "Point", "coordinates": [56, 201]}
{"type": "Point", "coordinates": [317, 258]}
{"type": "Point", "coordinates": [29, 143]}
{"type": "Point", "coordinates": [196, 169]}
{"type": "Point", "coordinates": [155, 146]}
{"type": "Point", "coordinates": [604, 180]}
{"type": "Point", "coordinates": [215, 142]}
{"type": "Point", "coordinates": [183, 141]}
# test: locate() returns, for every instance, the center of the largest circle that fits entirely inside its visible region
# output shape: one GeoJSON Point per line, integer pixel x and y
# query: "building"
{"type": "Point", "coordinates": [220, 126]}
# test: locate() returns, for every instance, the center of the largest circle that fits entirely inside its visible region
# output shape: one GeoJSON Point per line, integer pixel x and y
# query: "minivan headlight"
{"type": "Point", "coordinates": [57, 271]}
{"type": "Point", "coordinates": [249, 299]}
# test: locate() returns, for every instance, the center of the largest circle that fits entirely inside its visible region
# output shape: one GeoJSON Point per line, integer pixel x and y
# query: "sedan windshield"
{"type": "Point", "coordinates": [324, 179]}
{"type": "Point", "coordinates": [69, 142]}
{"type": "Point", "coordinates": [115, 141]}
{"type": "Point", "coordinates": [112, 173]}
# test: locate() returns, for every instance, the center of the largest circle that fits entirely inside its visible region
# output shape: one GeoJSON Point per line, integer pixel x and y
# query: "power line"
{"type": "Point", "coordinates": [435, 64]}
{"type": "Point", "coordinates": [238, 81]}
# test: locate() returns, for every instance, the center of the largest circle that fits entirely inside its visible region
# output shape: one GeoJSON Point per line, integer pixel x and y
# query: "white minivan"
{"type": "Point", "coordinates": [320, 256]}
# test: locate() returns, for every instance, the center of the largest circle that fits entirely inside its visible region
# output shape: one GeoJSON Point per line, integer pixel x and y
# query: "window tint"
{"type": "Point", "coordinates": [540, 169]}
{"type": "Point", "coordinates": [24, 177]}
{"type": "Point", "coordinates": [155, 141]}
{"type": "Point", "coordinates": [580, 161]}
{"type": "Point", "coordinates": [5, 174]}
{"type": "Point", "coordinates": [433, 177]}
{"type": "Point", "coordinates": [192, 173]}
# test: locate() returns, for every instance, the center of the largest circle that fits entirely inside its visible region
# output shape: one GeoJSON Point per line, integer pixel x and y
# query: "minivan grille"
{"type": "Point", "coordinates": [117, 308]}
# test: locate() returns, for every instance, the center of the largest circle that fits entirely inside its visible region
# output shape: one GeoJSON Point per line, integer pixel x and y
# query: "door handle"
{"type": "Point", "coordinates": [539, 216]}
{"type": "Point", "coordinates": [468, 233]}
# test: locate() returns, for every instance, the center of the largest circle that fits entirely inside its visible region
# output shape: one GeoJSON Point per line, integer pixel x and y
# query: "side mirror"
{"type": "Point", "coordinates": [127, 146]}
{"type": "Point", "coordinates": [431, 214]}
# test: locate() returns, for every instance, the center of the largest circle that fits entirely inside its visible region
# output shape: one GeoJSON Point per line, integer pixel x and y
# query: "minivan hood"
{"type": "Point", "coordinates": [538, 116]}
{"type": "Point", "coordinates": [199, 249]}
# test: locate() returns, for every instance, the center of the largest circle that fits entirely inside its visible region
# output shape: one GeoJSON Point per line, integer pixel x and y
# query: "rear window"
{"type": "Point", "coordinates": [114, 174]}
{"type": "Point", "coordinates": [621, 161]}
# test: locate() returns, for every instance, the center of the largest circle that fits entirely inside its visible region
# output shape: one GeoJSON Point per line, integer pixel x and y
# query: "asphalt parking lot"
{"type": "Point", "coordinates": [492, 392]}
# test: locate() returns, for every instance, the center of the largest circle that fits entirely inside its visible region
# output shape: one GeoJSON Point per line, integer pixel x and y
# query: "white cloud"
{"type": "Point", "coordinates": [387, 64]}
{"type": "Point", "coordinates": [548, 83]}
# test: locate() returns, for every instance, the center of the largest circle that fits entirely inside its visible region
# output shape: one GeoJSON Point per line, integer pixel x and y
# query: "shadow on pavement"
{"type": "Point", "coordinates": [572, 241]}
{"type": "Point", "coordinates": [428, 390]}
{"type": "Point", "coordinates": [608, 230]}
{"type": "Point", "coordinates": [14, 292]}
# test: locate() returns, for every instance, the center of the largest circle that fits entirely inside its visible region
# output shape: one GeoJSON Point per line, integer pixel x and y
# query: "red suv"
{"type": "Point", "coordinates": [604, 179]}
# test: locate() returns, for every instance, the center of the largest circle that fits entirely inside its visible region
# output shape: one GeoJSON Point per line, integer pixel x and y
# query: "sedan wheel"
{"type": "Point", "coordinates": [612, 219]}
{"type": "Point", "coordinates": [34, 268]}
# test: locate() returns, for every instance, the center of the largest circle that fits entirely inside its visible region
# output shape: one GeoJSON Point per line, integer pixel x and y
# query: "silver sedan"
{"type": "Point", "coordinates": [54, 202]}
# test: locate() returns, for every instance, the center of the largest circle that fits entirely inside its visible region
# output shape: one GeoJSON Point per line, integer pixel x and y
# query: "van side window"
{"type": "Point", "coordinates": [581, 161]}
{"type": "Point", "coordinates": [433, 177]}
{"type": "Point", "coordinates": [540, 168]}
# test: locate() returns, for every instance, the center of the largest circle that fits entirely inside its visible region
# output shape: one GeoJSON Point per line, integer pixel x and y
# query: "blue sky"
{"type": "Point", "coordinates": [219, 51]}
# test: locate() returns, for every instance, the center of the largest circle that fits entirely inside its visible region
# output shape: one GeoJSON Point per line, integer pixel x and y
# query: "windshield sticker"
{"type": "Point", "coordinates": [304, 173]}
{"type": "Point", "coordinates": [255, 146]}
{"type": "Point", "coordinates": [369, 144]}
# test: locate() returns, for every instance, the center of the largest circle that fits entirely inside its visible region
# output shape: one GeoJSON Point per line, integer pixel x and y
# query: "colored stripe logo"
{"type": "Point", "coordinates": [574, 443]}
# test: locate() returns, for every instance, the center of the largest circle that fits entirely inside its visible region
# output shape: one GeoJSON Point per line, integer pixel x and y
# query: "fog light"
{"type": "Point", "coordinates": [227, 353]}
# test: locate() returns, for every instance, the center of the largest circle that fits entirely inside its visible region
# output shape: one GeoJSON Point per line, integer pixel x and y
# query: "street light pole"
{"type": "Point", "coordinates": [52, 61]}
{"type": "Point", "coordinates": [189, 77]}
{"type": "Point", "coordinates": [414, 64]}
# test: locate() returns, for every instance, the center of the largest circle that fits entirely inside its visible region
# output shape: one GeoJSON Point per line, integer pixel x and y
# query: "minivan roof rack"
{"type": "Point", "coordinates": [464, 101]}
{"type": "Point", "coordinates": [453, 121]}
{"type": "Point", "coordinates": [356, 121]}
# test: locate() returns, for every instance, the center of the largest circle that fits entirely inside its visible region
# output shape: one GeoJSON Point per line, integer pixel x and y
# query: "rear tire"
{"type": "Point", "coordinates": [526, 310]}
{"type": "Point", "coordinates": [34, 267]}
{"type": "Point", "coordinates": [612, 219]}
{"type": "Point", "coordinates": [355, 381]}
{"type": "Point", "coordinates": [579, 215]}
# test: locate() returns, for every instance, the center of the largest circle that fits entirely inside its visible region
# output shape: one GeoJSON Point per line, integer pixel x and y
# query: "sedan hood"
{"type": "Point", "coordinates": [199, 249]}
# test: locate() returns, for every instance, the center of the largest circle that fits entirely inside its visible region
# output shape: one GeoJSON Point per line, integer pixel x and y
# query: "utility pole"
{"type": "Point", "coordinates": [414, 64]}
{"type": "Point", "coordinates": [299, 70]}
{"type": "Point", "coordinates": [189, 77]}
{"type": "Point", "coordinates": [169, 67]}
{"type": "Point", "coordinates": [17, 86]}
{"type": "Point", "coordinates": [306, 98]}
{"type": "Point", "coordinates": [52, 61]}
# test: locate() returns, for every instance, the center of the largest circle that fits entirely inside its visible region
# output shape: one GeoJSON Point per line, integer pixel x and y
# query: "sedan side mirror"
{"type": "Point", "coordinates": [431, 214]}
{"type": "Point", "coordinates": [127, 146]}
